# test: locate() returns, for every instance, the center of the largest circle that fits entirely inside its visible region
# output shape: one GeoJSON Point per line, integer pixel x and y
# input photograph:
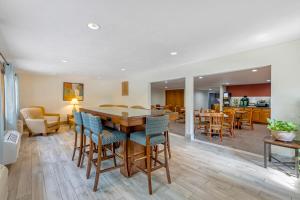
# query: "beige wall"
{"type": "Point", "coordinates": [47, 91]}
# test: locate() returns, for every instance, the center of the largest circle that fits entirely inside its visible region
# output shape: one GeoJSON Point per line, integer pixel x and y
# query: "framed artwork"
{"type": "Point", "coordinates": [72, 90]}
{"type": "Point", "coordinates": [125, 90]}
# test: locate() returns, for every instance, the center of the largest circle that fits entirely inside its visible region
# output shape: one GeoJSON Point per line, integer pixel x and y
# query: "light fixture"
{"type": "Point", "coordinates": [74, 102]}
{"type": "Point", "coordinates": [173, 53]}
{"type": "Point", "coordinates": [210, 89]}
{"type": "Point", "coordinates": [200, 77]}
{"type": "Point", "coordinates": [254, 70]}
{"type": "Point", "coordinates": [123, 69]}
{"type": "Point", "coordinates": [166, 87]}
{"type": "Point", "coordinates": [268, 80]}
{"type": "Point", "coordinates": [64, 61]}
{"type": "Point", "coordinates": [93, 26]}
{"type": "Point", "coordinates": [262, 37]}
{"type": "Point", "coordinates": [227, 83]}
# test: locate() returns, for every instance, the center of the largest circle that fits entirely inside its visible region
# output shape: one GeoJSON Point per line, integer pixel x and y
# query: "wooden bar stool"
{"type": "Point", "coordinates": [78, 129]}
{"type": "Point", "coordinates": [86, 133]}
{"type": "Point", "coordinates": [101, 138]}
{"type": "Point", "coordinates": [155, 133]}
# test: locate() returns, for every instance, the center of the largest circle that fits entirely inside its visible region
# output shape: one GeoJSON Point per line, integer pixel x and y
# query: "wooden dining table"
{"type": "Point", "coordinates": [129, 120]}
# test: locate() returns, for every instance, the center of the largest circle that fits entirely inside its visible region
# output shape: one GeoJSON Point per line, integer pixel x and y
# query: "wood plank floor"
{"type": "Point", "coordinates": [44, 170]}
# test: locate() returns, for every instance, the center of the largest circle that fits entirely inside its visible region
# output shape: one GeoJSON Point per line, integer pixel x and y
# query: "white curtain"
{"type": "Point", "coordinates": [1, 118]}
{"type": "Point", "coordinates": [11, 98]}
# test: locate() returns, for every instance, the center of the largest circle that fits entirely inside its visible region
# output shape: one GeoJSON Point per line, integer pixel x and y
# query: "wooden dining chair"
{"type": "Point", "coordinates": [101, 138]}
{"type": "Point", "coordinates": [246, 119]}
{"type": "Point", "coordinates": [121, 106]}
{"type": "Point", "coordinates": [228, 125]}
{"type": "Point", "coordinates": [86, 134]}
{"type": "Point", "coordinates": [216, 125]}
{"type": "Point", "coordinates": [154, 134]}
{"type": "Point", "coordinates": [106, 105]}
{"type": "Point", "coordinates": [138, 107]}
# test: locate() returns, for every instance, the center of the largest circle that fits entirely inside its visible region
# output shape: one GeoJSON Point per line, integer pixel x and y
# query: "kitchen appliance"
{"type": "Point", "coordinates": [226, 99]}
{"type": "Point", "coordinates": [262, 103]}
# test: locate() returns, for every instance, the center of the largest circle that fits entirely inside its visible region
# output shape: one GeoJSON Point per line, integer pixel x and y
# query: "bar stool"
{"type": "Point", "coordinates": [154, 134]}
{"type": "Point", "coordinates": [100, 137]}
{"type": "Point", "coordinates": [78, 128]}
{"type": "Point", "coordinates": [86, 133]}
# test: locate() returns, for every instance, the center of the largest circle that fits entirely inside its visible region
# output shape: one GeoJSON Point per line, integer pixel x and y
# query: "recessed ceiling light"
{"type": "Point", "coordinates": [268, 80]}
{"type": "Point", "coordinates": [200, 77]}
{"type": "Point", "coordinates": [227, 83]}
{"type": "Point", "coordinates": [210, 89]}
{"type": "Point", "coordinates": [64, 61]}
{"type": "Point", "coordinates": [166, 87]}
{"type": "Point", "coordinates": [93, 26]}
{"type": "Point", "coordinates": [123, 69]}
{"type": "Point", "coordinates": [173, 53]}
{"type": "Point", "coordinates": [262, 37]}
{"type": "Point", "coordinates": [254, 70]}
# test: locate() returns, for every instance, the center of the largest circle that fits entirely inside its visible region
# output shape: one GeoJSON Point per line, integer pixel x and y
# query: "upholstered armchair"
{"type": "Point", "coordinates": [39, 122]}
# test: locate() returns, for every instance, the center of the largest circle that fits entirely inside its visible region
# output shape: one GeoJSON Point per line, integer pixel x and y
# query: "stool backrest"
{"type": "Point", "coordinates": [157, 125]}
{"type": "Point", "coordinates": [96, 124]}
{"type": "Point", "coordinates": [85, 120]}
{"type": "Point", "coordinates": [78, 118]}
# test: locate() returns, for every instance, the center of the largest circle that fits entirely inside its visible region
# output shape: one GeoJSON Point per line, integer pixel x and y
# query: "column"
{"type": "Point", "coordinates": [221, 97]}
{"type": "Point", "coordinates": [189, 107]}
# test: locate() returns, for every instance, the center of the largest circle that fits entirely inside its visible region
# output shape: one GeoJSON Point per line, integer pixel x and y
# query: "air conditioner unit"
{"type": "Point", "coordinates": [11, 146]}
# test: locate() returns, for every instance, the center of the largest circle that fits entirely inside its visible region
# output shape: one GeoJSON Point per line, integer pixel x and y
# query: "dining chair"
{"type": "Point", "coordinates": [106, 105]}
{"type": "Point", "coordinates": [86, 134]}
{"type": "Point", "coordinates": [121, 106]}
{"type": "Point", "coordinates": [99, 139]}
{"type": "Point", "coordinates": [246, 119]}
{"type": "Point", "coordinates": [138, 107]}
{"type": "Point", "coordinates": [228, 124]}
{"type": "Point", "coordinates": [216, 125]}
{"type": "Point", "coordinates": [78, 128]}
{"type": "Point", "coordinates": [155, 133]}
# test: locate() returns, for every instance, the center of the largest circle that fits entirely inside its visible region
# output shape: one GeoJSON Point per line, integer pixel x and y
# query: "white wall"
{"type": "Point", "coordinates": [47, 91]}
{"type": "Point", "coordinates": [201, 99]}
{"type": "Point", "coordinates": [158, 96]}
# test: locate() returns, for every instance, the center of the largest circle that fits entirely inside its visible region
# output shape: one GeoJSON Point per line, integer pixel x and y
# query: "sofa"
{"type": "Point", "coordinates": [3, 182]}
{"type": "Point", "coordinates": [39, 122]}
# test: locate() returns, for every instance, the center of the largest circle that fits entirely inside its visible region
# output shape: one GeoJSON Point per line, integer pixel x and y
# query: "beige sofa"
{"type": "Point", "coordinates": [38, 122]}
{"type": "Point", "coordinates": [3, 182]}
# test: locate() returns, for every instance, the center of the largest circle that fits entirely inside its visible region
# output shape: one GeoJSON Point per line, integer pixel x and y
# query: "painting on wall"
{"type": "Point", "coordinates": [73, 90]}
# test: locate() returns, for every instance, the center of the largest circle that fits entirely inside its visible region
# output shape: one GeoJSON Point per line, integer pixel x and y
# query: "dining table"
{"type": "Point", "coordinates": [127, 120]}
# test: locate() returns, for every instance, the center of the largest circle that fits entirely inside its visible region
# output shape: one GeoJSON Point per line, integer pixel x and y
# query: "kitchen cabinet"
{"type": "Point", "coordinates": [259, 114]}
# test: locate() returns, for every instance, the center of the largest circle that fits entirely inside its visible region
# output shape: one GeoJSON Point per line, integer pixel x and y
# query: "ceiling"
{"type": "Point", "coordinates": [169, 84]}
{"type": "Point", "coordinates": [243, 77]}
{"type": "Point", "coordinates": [137, 35]}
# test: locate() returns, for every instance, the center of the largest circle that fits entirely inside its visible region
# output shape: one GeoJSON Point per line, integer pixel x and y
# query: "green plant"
{"type": "Point", "coordinates": [278, 125]}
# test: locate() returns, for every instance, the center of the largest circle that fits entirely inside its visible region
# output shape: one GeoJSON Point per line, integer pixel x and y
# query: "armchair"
{"type": "Point", "coordinates": [39, 122]}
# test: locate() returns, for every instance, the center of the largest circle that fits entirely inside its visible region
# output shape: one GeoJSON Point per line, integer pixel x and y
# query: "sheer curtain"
{"type": "Point", "coordinates": [11, 96]}
{"type": "Point", "coordinates": [1, 112]}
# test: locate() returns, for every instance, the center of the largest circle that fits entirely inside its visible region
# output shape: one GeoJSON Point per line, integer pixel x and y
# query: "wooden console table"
{"type": "Point", "coordinates": [269, 140]}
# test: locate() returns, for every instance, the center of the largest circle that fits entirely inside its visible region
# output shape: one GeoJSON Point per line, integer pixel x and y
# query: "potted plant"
{"type": "Point", "coordinates": [282, 130]}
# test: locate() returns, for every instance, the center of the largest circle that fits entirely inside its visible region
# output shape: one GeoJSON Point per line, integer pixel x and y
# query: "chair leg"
{"type": "Point", "coordinates": [89, 166]}
{"type": "Point", "coordinates": [75, 146]}
{"type": "Point", "coordinates": [83, 153]}
{"type": "Point", "coordinates": [114, 154]}
{"type": "Point", "coordinates": [156, 149]}
{"type": "Point", "coordinates": [168, 143]}
{"type": "Point", "coordinates": [148, 153]}
{"type": "Point", "coordinates": [80, 149]}
{"type": "Point", "coordinates": [98, 169]}
{"type": "Point", "coordinates": [167, 163]}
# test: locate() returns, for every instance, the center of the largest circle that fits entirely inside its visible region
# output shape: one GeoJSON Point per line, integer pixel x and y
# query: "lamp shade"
{"type": "Point", "coordinates": [74, 101]}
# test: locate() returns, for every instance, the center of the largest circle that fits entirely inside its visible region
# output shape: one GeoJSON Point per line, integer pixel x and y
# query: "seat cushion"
{"type": "Point", "coordinates": [109, 137]}
{"type": "Point", "coordinates": [87, 132]}
{"type": "Point", "coordinates": [140, 138]}
{"type": "Point", "coordinates": [52, 124]}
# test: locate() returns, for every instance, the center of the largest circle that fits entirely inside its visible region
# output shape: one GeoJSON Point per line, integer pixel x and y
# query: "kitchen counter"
{"type": "Point", "coordinates": [259, 114]}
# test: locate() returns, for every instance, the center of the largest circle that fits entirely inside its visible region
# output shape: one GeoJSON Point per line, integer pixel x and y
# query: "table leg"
{"type": "Point", "coordinates": [269, 152]}
{"type": "Point", "coordinates": [297, 162]}
{"type": "Point", "coordinates": [265, 155]}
